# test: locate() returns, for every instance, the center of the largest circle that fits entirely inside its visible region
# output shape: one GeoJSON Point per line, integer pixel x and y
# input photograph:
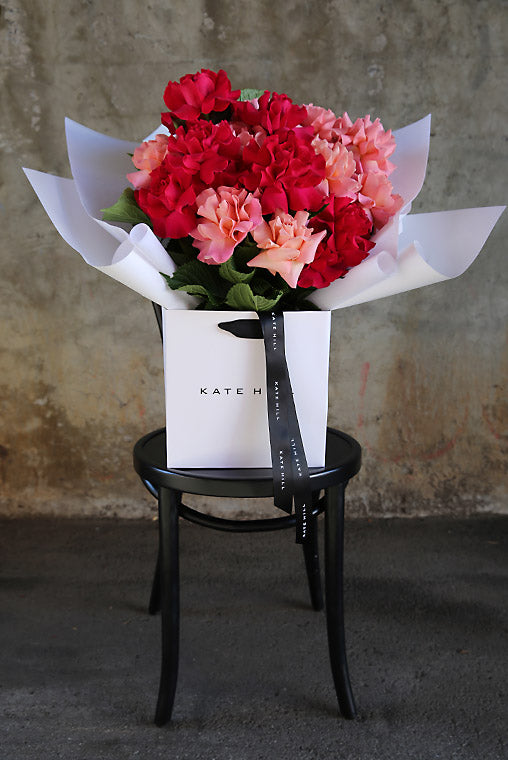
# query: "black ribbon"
{"type": "Point", "coordinates": [291, 479]}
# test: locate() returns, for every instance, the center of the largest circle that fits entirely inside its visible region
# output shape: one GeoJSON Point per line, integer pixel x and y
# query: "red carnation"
{"type": "Point", "coordinates": [170, 202]}
{"type": "Point", "coordinates": [209, 152]}
{"type": "Point", "coordinates": [287, 171]}
{"type": "Point", "coordinates": [204, 155]}
{"type": "Point", "coordinates": [270, 111]}
{"type": "Point", "coordinates": [346, 245]}
{"type": "Point", "coordinates": [197, 94]}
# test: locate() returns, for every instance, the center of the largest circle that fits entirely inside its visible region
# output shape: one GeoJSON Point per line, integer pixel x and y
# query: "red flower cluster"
{"type": "Point", "coordinates": [204, 155]}
{"type": "Point", "coordinates": [345, 245]}
{"type": "Point", "coordinates": [286, 170]}
{"type": "Point", "coordinates": [270, 111]}
{"type": "Point", "coordinates": [291, 159]}
{"type": "Point", "coordinates": [197, 94]}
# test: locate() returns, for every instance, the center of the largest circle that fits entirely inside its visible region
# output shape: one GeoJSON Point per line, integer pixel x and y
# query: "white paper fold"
{"type": "Point", "coordinates": [135, 262]}
{"type": "Point", "coordinates": [432, 248]}
{"type": "Point", "coordinates": [161, 130]}
{"type": "Point", "coordinates": [353, 288]}
{"type": "Point", "coordinates": [99, 164]}
{"type": "Point", "coordinates": [130, 267]}
{"type": "Point", "coordinates": [450, 240]}
{"type": "Point", "coordinates": [410, 251]}
{"type": "Point", "coordinates": [95, 242]}
{"type": "Point", "coordinates": [410, 157]}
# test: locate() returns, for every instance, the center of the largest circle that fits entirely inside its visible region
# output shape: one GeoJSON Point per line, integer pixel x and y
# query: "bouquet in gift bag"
{"type": "Point", "coordinates": [243, 200]}
{"type": "Point", "coordinates": [259, 201]}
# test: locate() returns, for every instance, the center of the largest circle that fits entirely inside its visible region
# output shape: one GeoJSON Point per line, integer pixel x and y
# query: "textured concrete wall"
{"type": "Point", "coordinates": [419, 378]}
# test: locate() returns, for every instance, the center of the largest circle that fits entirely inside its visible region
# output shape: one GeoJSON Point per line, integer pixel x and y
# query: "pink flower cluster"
{"type": "Point", "coordinates": [307, 187]}
{"type": "Point", "coordinates": [228, 215]}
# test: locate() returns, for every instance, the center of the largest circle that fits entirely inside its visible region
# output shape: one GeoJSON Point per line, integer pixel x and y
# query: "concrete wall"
{"type": "Point", "coordinates": [419, 379]}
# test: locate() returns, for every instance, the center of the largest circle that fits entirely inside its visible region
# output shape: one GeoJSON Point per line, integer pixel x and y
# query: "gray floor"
{"type": "Point", "coordinates": [426, 626]}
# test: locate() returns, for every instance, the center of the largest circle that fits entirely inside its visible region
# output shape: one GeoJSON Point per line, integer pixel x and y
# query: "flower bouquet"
{"type": "Point", "coordinates": [258, 201]}
{"type": "Point", "coordinates": [244, 201]}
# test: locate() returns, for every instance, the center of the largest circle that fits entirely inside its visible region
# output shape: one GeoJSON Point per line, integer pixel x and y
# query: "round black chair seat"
{"type": "Point", "coordinates": [343, 460]}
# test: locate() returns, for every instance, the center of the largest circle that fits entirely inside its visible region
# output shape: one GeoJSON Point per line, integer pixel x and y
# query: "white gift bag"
{"type": "Point", "coordinates": [215, 388]}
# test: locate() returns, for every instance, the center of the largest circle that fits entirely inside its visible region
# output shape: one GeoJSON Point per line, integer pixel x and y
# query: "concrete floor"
{"type": "Point", "coordinates": [426, 626]}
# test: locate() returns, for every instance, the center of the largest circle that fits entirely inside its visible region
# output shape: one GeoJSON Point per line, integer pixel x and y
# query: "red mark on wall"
{"type": "Point", "coordinates": [428, 456]}
{"type": "Point", "coordinates": [413, 453]}
{"type": "Point", "coordinates": [364, 378]}
{"type": "Point", "coordinates": [490, 425]}
{"type": "Point", "coordinates": [361, 393]}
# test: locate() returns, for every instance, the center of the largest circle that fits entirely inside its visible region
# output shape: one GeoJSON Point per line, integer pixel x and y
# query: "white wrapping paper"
{"type": "Point", "coordinates": [412, 250]}
{"type": "Point", "coordinates": [432, 248]}
{"type": "Point", "coordinates": [135, 259]}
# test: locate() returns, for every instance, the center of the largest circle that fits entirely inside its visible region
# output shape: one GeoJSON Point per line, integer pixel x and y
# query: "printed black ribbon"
{"type": "Point", "coordinates": [291, 479]}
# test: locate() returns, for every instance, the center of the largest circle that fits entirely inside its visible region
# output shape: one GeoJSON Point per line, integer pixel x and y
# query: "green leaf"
{"type": "Point", "coordinates": [197, 278]}
{"type": "Point", "coordinates": [241, 297]}
{"type": "Point", "coordinates": [195, 290]}
{"type": "Point", "coordinates": [178, 257]}
{"type": "Point", "coordinates": [212, 306]}
{"type": "Point", "coordinates": [169, 281]}
{"type": "Point", "coordinates": [295, 299]}
{"type": "Point", "coordinates": [125, 210]}
{"type": "Point", "coordinates": [210, 302]}
{"type": "Point", "coordinates": [261, 285]}
{"type": "Point", "coordinates": [193, 273]}
{"type": "Point", "coordinates": [230, 272]}
{"type": "Point", "coordinates": [181, 250]}
{"type": "Point", "coordinates": [266, 304]}
{"type": "Point", "coordinates": [249, 94]}
{"type": "Point", "coordinates": [268, 285]}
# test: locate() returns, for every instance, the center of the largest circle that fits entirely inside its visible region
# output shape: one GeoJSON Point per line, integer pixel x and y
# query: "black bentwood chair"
{"type": "Point", "coordinates": [343, 459]}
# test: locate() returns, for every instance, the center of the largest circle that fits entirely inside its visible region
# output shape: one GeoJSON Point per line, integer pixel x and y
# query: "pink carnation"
{"type": "Point", "coordinates": [225, 217]}
{"type": "Point", "coordinates": [368, 141]}
{"type": "Point", "coordinates": [321, 120]}
{"type": "Point", "coordinates": [377, 198]}
{"type": "Point", "coordinates": [287, 243]}
{"type": "Point", "coordinates": [147, 157]}
{"type": "Point", "coordinates": [340, 177]}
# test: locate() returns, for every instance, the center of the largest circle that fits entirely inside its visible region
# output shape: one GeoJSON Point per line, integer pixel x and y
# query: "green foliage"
{"type": "Point", "coordinates": [249, 94]}
{"type": "Point", "coordinates": [241, 298]}
{"type": "Point", "coordinates": [125, 210]}
{"type": "Point", "coordinates": [296, 300]}
{"type": "Point", "coordinates": [233, 284]}
{"type": "Point", "coordinates": [200, 279]}
{"type": "Point", "coordinates": [181, 250]}
{"type": "Point", "coordinates": [229, 271]}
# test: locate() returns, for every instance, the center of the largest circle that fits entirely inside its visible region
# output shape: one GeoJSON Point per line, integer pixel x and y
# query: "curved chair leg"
{"type": "Point", "coordinates": [334, 553]}
{"type": "Point", "coordinates": [170, 601]}
{"type": "Point", "coordinates": [154, 604]}
{"type": "Point", "coordinates": [311, 555]}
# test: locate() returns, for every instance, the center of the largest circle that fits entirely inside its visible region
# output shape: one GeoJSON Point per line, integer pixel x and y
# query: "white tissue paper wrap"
{"type": "Point", "coordinates": [99, 165]}
{"type": "Point", "coordinates": [412, 250]}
